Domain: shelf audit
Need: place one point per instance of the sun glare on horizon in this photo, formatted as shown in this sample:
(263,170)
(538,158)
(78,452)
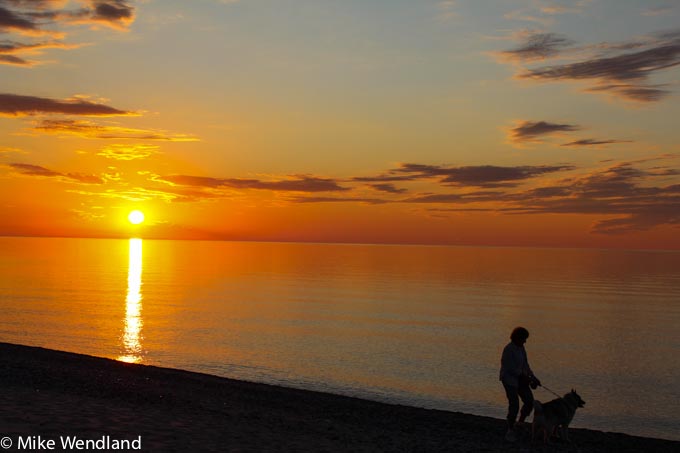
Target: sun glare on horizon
(136,217)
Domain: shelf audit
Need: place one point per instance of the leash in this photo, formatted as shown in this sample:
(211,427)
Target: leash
(544,387)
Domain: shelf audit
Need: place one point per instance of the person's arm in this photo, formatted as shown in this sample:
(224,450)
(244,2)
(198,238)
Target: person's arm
(530,372)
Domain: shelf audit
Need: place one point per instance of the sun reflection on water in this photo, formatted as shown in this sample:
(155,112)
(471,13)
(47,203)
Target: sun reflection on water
(133,304)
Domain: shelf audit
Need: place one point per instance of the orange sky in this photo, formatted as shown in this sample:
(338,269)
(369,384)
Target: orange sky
(531,123)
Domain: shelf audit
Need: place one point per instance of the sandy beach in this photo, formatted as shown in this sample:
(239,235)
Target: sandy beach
(49,395)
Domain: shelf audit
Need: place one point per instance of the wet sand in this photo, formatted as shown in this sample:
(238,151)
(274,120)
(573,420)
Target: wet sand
(50,394)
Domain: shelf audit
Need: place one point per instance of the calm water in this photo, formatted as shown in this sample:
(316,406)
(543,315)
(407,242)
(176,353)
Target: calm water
(422,326)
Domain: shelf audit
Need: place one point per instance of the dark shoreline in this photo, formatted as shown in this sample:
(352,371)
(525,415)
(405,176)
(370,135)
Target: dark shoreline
(51,393)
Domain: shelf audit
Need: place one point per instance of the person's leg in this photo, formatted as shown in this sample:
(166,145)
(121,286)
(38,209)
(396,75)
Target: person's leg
(527,399)
(513,403)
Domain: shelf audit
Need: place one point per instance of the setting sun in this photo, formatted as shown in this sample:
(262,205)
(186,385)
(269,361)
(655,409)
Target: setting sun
(136,217)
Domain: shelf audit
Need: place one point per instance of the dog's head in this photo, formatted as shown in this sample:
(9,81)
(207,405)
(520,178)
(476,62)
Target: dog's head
(573,396)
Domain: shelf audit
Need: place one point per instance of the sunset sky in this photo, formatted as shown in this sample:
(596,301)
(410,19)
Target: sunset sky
(509,122)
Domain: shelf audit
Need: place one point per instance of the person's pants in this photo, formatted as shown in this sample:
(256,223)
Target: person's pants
(514,394)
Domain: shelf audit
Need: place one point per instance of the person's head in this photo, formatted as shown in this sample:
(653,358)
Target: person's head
(519,336)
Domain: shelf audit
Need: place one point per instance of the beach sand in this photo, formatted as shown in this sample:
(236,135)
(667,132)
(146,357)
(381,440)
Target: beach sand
(50,394)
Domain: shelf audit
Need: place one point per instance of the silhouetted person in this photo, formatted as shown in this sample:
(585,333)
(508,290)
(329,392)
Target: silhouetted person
(517,379)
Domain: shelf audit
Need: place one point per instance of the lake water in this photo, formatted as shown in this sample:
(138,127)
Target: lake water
(422,326)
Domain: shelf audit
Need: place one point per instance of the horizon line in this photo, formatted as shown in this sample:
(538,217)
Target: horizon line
(406,244)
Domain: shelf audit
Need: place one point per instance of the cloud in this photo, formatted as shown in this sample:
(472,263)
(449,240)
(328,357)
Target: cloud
(624,74)
(631,66)
(13,60)
(185,188)
(114,13)
(9,51)
(18,105)
(457,198)
(88,129)
(536,46)
(390,177)
(635,195)
(33,18)
(389,188)
(36,170)
(532,131)
(481,175)
(639,93)
(137,194)
(625,190)
(13,21)
(471,176)
(594,142)
(627,196)
(300,183)
(128,152)
(338,200)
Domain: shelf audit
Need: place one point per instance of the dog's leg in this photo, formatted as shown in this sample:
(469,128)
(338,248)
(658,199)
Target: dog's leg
(565,433)
(547,431)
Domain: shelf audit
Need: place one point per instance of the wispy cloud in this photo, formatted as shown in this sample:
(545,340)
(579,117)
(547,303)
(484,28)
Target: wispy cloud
(535,131)
(592,142)
(464,176)
(40,18)
(622,189)
(89,129)
(36,170)
(36,17)
(10,51)
(299,183)
(628,196)
(536,46)
(623,71)
(481,175)
(137,194)
(455,198)
(389,188)
(363,200)
(18,105)
(638,197)
(128,152)
(641,194)
(631,92)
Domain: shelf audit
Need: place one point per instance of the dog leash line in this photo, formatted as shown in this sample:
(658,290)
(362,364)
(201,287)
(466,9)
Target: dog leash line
(543,386)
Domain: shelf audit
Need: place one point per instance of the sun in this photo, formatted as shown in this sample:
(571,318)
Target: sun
(136,217)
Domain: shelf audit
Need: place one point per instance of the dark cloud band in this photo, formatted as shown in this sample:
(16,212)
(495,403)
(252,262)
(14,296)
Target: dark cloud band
(36,170)
(18,105)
